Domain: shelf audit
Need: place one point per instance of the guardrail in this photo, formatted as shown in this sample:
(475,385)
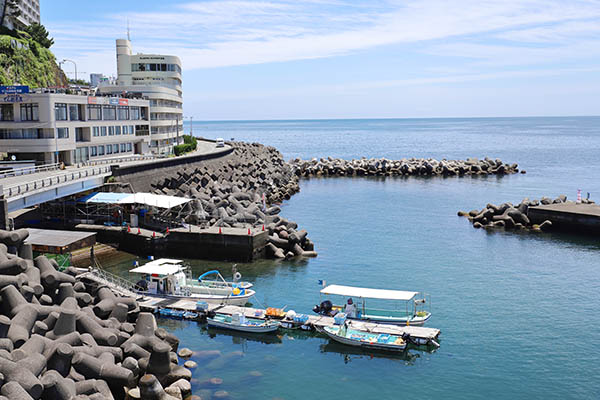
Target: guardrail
(29,170)
(119,160)
(23,188)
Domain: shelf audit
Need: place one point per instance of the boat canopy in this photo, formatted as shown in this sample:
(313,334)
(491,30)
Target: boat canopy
(351,291)
(163,266)
(149,199)
(213,272)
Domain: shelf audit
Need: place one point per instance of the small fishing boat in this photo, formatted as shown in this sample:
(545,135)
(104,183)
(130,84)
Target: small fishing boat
(171,313)
(241,323)
(170,278)
(410,309)
(352,337)
(220,282)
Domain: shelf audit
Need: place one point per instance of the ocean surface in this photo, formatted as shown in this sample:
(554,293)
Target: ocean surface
(519,313)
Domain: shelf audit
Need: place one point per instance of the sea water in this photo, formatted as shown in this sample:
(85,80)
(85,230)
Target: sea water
(519,312)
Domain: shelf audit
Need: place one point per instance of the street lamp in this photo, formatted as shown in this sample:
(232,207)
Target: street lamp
(75,64)
(191,117)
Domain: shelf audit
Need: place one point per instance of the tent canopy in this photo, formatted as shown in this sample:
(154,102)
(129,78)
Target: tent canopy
(163,266)
(149,199)
(351,291)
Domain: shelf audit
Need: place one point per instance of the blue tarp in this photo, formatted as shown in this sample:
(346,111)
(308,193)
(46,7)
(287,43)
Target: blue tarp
(103,197)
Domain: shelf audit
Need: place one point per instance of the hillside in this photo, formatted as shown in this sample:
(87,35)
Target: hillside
(26,62)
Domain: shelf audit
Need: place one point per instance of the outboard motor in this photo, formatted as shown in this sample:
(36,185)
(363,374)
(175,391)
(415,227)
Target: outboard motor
(142,284)
(323,309)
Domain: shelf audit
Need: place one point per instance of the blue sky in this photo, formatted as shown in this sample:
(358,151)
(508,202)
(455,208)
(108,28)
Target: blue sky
(286,59)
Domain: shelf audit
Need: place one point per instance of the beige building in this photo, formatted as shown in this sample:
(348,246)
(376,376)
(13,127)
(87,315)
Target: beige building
(76,127)
(30,13)
(157,77)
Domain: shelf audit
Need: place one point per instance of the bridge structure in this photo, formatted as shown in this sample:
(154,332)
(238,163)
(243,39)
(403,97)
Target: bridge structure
(26,187)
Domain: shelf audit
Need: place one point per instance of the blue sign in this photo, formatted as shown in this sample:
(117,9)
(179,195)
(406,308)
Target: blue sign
(13,98)
(14,89)
(114,101)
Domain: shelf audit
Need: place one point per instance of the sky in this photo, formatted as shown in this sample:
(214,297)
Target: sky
(315,59)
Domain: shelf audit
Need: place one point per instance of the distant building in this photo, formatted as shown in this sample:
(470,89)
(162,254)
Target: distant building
(95,79)
(157,77)
(30,13)
(36,126)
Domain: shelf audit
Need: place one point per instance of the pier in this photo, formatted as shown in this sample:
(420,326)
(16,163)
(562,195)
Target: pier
(568,216)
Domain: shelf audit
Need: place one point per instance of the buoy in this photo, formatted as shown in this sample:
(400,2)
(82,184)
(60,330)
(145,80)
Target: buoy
(128,229)
(248,231)
(220,230)
(153,234)
(407,322)
(263,228)
(139,232)
(167,230)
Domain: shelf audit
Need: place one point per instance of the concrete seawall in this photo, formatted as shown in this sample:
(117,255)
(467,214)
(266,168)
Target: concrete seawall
(583,218)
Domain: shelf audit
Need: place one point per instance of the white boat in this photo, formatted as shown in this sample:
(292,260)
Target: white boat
(345,334)
(170,278)
(218,280)
(241,323)
(410,311)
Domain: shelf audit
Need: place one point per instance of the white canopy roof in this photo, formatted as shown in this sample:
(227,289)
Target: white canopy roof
(351,291)
(150,199)
(163,266)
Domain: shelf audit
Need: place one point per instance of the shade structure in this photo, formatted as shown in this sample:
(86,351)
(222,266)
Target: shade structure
(351,291)
(149,199)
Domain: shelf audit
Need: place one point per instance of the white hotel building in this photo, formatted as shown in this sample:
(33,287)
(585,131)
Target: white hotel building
(76,127)
(158,78)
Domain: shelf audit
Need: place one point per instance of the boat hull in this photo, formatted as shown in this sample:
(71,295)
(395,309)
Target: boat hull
(210,299)
(392,321)
(364,345)
(242,328)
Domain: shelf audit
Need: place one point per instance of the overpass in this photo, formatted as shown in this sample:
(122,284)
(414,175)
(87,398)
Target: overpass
(30,186)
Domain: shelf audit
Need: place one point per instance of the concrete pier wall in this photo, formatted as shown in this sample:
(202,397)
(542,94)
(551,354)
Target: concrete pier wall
(583,218)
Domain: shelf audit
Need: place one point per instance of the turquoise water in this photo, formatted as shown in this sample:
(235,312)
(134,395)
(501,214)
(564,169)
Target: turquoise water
(519,313)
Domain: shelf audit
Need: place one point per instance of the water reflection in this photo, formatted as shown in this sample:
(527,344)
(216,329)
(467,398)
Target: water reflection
(240,338)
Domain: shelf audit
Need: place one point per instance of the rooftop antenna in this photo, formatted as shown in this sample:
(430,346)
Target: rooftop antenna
(128,35)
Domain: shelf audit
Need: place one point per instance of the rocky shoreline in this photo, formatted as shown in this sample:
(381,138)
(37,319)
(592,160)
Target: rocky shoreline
(404,167)
(229,193)
(64,338)
(510,217)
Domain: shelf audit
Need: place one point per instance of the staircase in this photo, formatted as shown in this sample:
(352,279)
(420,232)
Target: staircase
(119,285)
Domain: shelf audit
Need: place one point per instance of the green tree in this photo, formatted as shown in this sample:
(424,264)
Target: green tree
(40,34)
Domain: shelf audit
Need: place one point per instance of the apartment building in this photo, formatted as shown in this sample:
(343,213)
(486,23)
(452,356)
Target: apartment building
(157,77)
(30,13)
(48,127)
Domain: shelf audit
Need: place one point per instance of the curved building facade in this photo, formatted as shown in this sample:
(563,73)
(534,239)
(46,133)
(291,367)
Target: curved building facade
(158,78)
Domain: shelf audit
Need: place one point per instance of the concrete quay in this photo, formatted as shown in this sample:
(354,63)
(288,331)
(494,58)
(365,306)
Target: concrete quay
(569,216)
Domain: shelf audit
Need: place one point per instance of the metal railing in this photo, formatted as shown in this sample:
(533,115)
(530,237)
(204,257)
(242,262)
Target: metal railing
(29,170)
(23,188)
(121,285)
(117,160)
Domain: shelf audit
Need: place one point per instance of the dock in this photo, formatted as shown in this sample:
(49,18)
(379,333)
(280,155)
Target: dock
(568,216)
(315,322)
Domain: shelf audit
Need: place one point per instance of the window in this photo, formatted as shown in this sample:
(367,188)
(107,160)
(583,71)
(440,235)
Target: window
(60,111)
(63,133)
(93,151)
(79,135)
(129,147)
(108,149)
(109,112)
(135,113)
(30,112)
(73,112)
(102,131)
(131,131)
(123,112)
(96,131)
(118,130)
(111,131)
(123,147)
(101,150)
(94,112)
(115,148)
(7,112)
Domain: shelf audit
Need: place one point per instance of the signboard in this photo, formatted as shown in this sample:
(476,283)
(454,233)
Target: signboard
(14,89)
(114,101)
(13,98)
(92,100)
(123,102)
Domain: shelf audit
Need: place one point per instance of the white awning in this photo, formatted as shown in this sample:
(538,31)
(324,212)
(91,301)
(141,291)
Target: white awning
(351,291)
(163,266)
(150,199)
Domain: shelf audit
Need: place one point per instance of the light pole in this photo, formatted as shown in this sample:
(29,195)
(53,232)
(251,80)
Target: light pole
(74,63)
(191,117)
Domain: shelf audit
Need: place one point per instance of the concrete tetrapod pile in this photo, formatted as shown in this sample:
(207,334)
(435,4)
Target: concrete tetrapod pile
(229,193)
(404,167)
(509,216)
(63,339)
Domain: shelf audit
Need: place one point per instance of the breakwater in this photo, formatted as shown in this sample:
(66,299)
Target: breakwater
(404,167)
(64,338)
(509,216)
(242,190)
